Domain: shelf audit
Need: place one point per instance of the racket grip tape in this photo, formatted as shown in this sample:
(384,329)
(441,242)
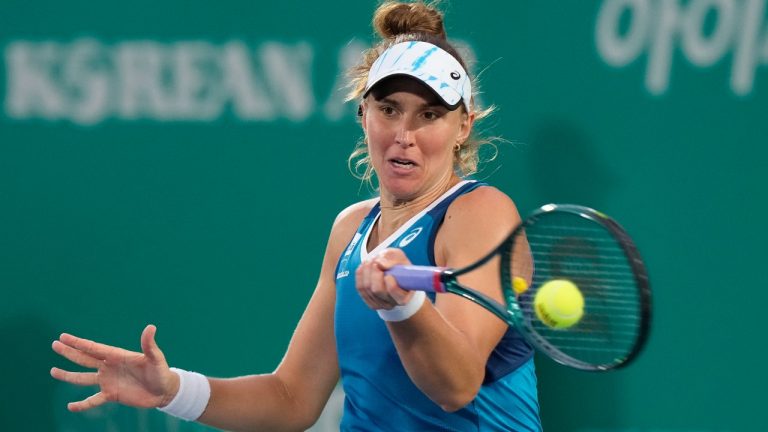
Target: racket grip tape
(418,278)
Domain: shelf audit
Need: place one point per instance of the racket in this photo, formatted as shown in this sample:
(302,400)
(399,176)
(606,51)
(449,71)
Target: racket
(571,243)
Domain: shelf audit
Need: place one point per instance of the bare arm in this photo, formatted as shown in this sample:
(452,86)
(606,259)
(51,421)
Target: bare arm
(444,347)
(290,398)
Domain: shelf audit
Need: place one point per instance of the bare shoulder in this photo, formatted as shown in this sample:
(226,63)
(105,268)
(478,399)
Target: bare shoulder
(354,214)
(347,222)
(484,204)
(474,223)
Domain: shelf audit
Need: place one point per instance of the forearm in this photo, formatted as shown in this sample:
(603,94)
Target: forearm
(439,359)
(256,403)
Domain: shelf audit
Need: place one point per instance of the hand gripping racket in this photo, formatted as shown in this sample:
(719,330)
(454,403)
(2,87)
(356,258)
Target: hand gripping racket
(570,243)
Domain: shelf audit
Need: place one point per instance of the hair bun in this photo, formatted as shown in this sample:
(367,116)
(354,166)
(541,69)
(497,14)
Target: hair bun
(394,18)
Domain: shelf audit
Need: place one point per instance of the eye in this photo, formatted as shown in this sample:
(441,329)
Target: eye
(432,115)
(387,110)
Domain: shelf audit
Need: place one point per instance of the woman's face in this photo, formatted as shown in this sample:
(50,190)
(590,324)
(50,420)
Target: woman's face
(411,138)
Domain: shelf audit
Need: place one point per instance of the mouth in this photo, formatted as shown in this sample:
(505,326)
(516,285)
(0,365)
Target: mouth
(402,163)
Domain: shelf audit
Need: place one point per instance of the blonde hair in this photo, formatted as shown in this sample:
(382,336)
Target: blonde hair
(395,22)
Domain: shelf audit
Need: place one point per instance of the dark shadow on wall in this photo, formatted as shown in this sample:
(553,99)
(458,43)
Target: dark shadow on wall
(568,168)
(27,396)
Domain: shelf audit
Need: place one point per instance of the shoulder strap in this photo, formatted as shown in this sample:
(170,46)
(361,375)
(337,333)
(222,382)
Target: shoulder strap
(438,213)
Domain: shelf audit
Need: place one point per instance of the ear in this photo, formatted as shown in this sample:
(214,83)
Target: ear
(465,127)
(362,112)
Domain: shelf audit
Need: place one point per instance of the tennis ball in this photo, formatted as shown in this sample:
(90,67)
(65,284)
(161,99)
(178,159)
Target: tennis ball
(559,304)
(519,285)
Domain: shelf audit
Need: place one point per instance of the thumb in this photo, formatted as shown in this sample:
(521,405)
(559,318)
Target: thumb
(391,257)
(148,345)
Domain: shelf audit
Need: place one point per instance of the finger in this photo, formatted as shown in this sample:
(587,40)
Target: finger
(400,295)
(384,304)
(75,356)
(379,290)
(94,349)
(359,276)
(362,285)
(391,257)
(376,303)
(88,403)
(376,282)
(362,278)
(366,279)
(370,300)
(78,378)
(149,345)
(373,287)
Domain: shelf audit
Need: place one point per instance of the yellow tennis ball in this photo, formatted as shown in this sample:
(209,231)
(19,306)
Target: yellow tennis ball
(559,304)
(519,285)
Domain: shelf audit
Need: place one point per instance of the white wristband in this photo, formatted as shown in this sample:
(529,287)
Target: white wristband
(192,398)
(403,312)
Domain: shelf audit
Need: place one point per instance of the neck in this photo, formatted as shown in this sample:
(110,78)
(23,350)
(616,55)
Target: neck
(395,212)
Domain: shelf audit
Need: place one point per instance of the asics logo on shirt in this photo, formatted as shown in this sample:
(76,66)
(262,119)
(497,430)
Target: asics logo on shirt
(409,238)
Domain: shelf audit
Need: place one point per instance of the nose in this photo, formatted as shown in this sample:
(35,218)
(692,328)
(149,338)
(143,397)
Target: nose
(405,135)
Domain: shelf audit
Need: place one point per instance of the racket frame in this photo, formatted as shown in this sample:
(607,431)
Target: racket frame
(512,314)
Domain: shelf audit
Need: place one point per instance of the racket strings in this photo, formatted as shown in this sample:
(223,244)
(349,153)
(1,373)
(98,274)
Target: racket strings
(568,246)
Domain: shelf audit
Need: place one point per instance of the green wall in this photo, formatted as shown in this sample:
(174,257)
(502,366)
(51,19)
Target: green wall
(180,163)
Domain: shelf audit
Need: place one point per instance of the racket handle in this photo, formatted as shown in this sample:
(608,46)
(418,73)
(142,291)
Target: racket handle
(418,278)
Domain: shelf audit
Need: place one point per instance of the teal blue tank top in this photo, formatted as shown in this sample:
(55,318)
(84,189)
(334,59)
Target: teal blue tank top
(379,394)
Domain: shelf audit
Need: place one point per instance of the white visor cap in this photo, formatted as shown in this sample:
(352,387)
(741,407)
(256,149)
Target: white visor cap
(428,63)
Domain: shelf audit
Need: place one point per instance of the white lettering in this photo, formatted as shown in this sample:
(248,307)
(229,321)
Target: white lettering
(140,74)
(196,96)
(745,57)
(336,107)
(620,50)
(31,89)
(700,50)
(289,71)
(243,86)
(658,26)
(660,57)
(87,82)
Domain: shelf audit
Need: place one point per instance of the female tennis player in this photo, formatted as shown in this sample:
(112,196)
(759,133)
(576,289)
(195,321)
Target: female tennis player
(407,360)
